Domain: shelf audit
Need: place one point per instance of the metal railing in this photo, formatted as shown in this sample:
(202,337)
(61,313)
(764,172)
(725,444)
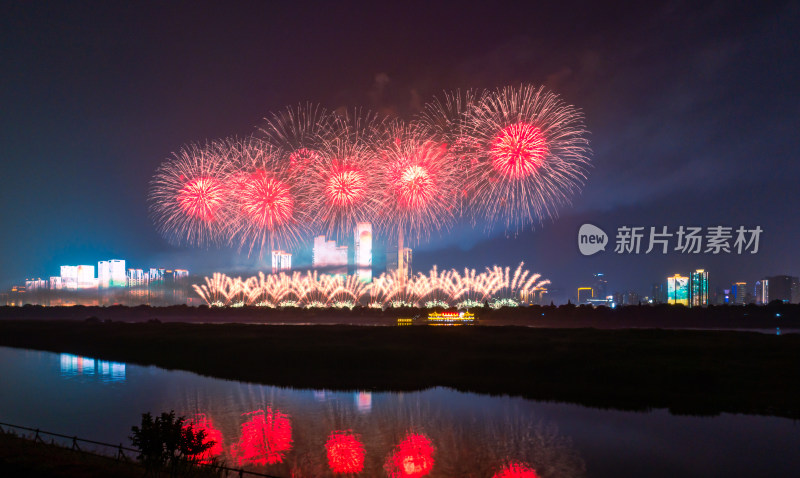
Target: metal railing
(119,450)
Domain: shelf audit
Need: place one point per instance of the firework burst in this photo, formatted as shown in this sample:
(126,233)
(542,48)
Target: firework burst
(267,208)
(188,195)
(296,134)
(419,183)
(342,186)
(528,156)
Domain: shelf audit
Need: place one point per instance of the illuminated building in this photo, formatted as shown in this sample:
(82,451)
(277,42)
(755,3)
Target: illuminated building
(393,257)
(678,290)
(180,274)
(363,251)
(56,283)
(762,292)
(111,273)
(600,286)
(739,293)
(69,277)
(32,285)
(327,255)
(780,288)
(584,294)
(86,279)
(795,290)
(137,277)
(363,401)
(659,293)
(281,261)
(698,288)
(156,275)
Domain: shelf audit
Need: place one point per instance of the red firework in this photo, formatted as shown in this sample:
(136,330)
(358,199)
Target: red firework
(516,470)
(301,160)
(266,201)
(202,198)
(412,457)
(518,150)
(188,195)
(347,185)
(201,423)
(266,438)
(345,452)
(418,183)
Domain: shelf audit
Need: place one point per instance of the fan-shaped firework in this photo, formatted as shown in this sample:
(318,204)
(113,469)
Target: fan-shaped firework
(530,155)
(266,208)
(499,286)
(188,195)
(342,186)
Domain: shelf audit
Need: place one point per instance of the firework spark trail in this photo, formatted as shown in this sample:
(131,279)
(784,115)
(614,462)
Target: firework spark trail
(443,288)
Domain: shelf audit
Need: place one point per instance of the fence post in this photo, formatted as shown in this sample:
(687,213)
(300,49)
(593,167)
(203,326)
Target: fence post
(241,472)
(120,454)
(75,443)
(37,437)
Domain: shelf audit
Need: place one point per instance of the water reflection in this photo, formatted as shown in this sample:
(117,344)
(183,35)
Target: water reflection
(316,434)
(103,371)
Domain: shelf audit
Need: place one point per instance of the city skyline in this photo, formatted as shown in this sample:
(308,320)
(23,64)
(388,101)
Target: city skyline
(664,155)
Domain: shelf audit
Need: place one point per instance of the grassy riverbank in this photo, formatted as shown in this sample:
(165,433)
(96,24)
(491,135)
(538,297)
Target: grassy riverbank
(696,372)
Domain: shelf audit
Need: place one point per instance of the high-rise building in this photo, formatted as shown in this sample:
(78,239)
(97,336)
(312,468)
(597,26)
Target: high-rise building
(585,294)
(762,292)
(56,283)
(156,275)
(363,251)
(795,290)
(117,276)
(739,293)
(32,285)
(86,279)
(780,288)
(69,277)
(698,288)
(393,257)
(678,290)
(137,277)
(600,286)
(103,274)
(659,293)
(327,255)
(281,261)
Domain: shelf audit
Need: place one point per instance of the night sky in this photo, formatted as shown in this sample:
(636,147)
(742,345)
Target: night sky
(693,108)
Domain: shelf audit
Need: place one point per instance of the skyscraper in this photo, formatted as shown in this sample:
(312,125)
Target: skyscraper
(329,256)
(678,290)
(281,261)
(762,292)
(392,260)
(795,290)
(698,288)
(363,251)
(739,293)
(600,286)
(584,294)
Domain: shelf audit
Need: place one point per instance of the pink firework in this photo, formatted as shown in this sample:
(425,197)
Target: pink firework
(266,208)
(528,155)
(188,195)
(296,134)
(518,150)
(418,183)
(202,198)
(343,187)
